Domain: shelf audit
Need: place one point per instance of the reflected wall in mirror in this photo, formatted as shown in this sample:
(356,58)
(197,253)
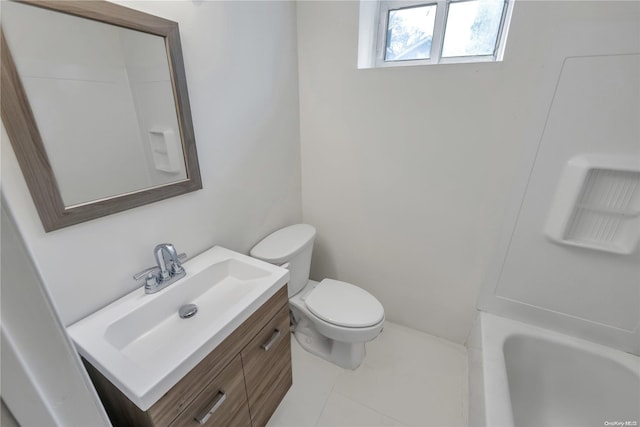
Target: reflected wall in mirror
(96,106)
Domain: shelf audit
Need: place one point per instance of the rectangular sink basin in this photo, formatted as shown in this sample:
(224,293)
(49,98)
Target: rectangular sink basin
(144,348)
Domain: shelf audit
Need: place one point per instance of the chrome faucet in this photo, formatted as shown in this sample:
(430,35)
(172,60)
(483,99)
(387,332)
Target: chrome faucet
(167,260)
(168,270)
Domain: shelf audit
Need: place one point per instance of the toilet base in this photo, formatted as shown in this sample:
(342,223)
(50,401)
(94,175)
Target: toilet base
(344,354)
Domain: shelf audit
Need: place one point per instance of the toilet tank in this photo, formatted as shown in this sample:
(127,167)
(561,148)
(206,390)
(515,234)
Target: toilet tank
(292,245)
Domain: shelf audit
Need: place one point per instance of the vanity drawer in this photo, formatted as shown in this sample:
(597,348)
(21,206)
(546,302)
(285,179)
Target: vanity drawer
(222,403)
(267,367)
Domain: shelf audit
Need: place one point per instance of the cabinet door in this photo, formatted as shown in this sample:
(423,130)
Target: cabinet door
(222,403)
(267,367)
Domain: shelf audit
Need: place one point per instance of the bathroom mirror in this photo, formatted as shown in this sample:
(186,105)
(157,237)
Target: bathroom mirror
(95,103)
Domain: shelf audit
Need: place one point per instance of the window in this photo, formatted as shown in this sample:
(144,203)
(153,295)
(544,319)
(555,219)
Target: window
(395,32)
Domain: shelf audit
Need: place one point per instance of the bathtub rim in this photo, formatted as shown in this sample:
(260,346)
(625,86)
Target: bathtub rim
(486,352)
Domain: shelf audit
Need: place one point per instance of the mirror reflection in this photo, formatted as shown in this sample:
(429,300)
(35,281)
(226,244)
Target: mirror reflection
(103,102)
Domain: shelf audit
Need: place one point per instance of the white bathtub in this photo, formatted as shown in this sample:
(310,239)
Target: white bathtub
(524,376)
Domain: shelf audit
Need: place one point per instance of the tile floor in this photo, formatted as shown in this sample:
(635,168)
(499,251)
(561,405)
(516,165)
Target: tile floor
(408,379)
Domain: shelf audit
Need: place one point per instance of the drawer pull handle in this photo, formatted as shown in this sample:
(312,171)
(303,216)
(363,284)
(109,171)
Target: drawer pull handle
(217,402)
(267,346)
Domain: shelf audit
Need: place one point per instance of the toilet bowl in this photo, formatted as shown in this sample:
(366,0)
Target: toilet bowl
(331,319)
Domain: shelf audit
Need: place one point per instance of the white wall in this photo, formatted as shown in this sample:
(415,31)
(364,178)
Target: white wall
(407,172)
(240,60)
(34,342)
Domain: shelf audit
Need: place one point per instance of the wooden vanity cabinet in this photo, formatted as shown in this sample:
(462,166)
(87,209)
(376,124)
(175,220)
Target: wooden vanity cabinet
(227,394)
(243,379)
(267,367)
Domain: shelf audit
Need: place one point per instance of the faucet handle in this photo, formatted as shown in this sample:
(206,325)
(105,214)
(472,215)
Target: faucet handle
(176,267)
(144,273)
(151,280)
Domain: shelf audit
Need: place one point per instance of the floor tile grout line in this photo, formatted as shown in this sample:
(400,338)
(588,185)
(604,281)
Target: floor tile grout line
(426,336)
(324,405)
(465,393)
(370,408)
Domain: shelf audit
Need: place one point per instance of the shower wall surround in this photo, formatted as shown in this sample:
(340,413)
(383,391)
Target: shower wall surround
(584,280)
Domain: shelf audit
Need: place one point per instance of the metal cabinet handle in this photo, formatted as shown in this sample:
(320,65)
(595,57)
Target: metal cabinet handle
(267,346)
(217,402)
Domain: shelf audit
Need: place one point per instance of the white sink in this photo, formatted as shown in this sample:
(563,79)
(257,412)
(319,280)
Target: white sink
(141,344)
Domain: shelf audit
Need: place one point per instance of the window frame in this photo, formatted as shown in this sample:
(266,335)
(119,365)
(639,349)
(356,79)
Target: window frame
(437,39)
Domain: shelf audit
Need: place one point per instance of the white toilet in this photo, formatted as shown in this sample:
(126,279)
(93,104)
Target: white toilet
(331,319)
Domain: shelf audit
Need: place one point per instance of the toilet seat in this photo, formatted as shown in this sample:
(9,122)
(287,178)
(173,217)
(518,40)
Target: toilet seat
(344,304)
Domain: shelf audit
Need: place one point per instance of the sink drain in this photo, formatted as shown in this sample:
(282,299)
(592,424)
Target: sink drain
(188,310)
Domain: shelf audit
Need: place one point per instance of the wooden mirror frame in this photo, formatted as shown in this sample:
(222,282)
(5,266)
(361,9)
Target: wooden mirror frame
(27,143)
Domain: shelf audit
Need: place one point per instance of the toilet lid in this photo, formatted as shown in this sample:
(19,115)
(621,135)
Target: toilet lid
(344,304)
